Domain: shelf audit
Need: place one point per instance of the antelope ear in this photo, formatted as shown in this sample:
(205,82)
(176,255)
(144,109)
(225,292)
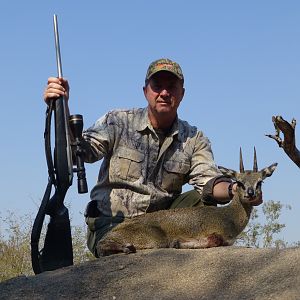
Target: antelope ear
(228,172)
(268,171)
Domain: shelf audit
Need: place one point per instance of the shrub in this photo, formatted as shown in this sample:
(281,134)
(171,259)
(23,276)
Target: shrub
(15,251)
(261,235)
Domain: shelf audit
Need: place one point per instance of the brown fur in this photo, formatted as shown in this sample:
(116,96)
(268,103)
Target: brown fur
(190,228)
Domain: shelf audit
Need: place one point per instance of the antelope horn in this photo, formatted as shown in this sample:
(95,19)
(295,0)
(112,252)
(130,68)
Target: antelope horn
(255,168)
(242,170)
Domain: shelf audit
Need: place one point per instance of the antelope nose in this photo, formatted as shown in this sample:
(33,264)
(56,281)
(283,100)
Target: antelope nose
(250,192)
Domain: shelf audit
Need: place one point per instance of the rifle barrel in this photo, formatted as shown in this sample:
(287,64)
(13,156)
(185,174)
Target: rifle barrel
(57,47)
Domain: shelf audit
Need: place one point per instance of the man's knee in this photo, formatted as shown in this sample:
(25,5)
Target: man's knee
(98,225)
(93,221)
(187,199)
(94,236)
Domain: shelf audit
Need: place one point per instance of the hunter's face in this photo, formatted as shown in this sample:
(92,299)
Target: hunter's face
(164,93)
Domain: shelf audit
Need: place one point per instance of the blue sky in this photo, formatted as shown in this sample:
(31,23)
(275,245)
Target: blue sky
(241,61)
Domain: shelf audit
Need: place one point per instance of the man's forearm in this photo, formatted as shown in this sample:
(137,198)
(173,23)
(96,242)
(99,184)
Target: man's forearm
(220,192)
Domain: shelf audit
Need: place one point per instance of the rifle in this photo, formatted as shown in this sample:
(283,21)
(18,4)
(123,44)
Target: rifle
(57,251)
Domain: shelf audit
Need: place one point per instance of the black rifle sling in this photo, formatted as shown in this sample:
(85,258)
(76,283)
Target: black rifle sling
(39,220)
(57,251)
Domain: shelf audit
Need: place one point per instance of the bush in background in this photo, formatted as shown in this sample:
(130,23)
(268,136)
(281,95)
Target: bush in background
(264,235)
(15,251)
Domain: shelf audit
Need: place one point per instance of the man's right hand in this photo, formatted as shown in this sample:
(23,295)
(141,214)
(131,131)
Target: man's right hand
(56,87)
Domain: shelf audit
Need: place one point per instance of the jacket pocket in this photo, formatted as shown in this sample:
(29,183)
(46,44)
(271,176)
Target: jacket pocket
(174,175)
(129,163)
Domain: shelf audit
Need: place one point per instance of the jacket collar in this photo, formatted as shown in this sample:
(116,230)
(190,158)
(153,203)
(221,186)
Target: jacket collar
(144,124)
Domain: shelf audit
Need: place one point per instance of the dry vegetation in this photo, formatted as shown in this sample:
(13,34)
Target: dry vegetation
(15,259)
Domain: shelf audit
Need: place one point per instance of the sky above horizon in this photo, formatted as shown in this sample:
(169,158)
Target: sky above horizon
(241,62)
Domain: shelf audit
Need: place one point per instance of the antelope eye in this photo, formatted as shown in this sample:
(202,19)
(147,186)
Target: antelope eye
(240,184)
(259,183)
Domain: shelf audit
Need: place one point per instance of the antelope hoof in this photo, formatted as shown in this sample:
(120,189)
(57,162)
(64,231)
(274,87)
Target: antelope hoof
(175,244)
(215,240)
(129,248)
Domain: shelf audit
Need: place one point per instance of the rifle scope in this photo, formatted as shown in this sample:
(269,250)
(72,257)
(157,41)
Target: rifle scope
(76,126)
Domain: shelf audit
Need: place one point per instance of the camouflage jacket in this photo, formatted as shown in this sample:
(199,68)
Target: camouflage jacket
(137,173)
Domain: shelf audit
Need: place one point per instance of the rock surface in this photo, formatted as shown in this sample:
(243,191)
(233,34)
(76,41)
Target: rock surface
(215,273)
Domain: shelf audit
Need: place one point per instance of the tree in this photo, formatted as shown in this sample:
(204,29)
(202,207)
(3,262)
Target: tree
(289,141)
(264,235)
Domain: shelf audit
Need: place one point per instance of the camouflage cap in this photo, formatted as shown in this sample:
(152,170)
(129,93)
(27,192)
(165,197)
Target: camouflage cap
(164,64)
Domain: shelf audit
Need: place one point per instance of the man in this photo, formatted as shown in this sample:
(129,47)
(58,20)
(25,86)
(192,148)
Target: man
(148,155)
